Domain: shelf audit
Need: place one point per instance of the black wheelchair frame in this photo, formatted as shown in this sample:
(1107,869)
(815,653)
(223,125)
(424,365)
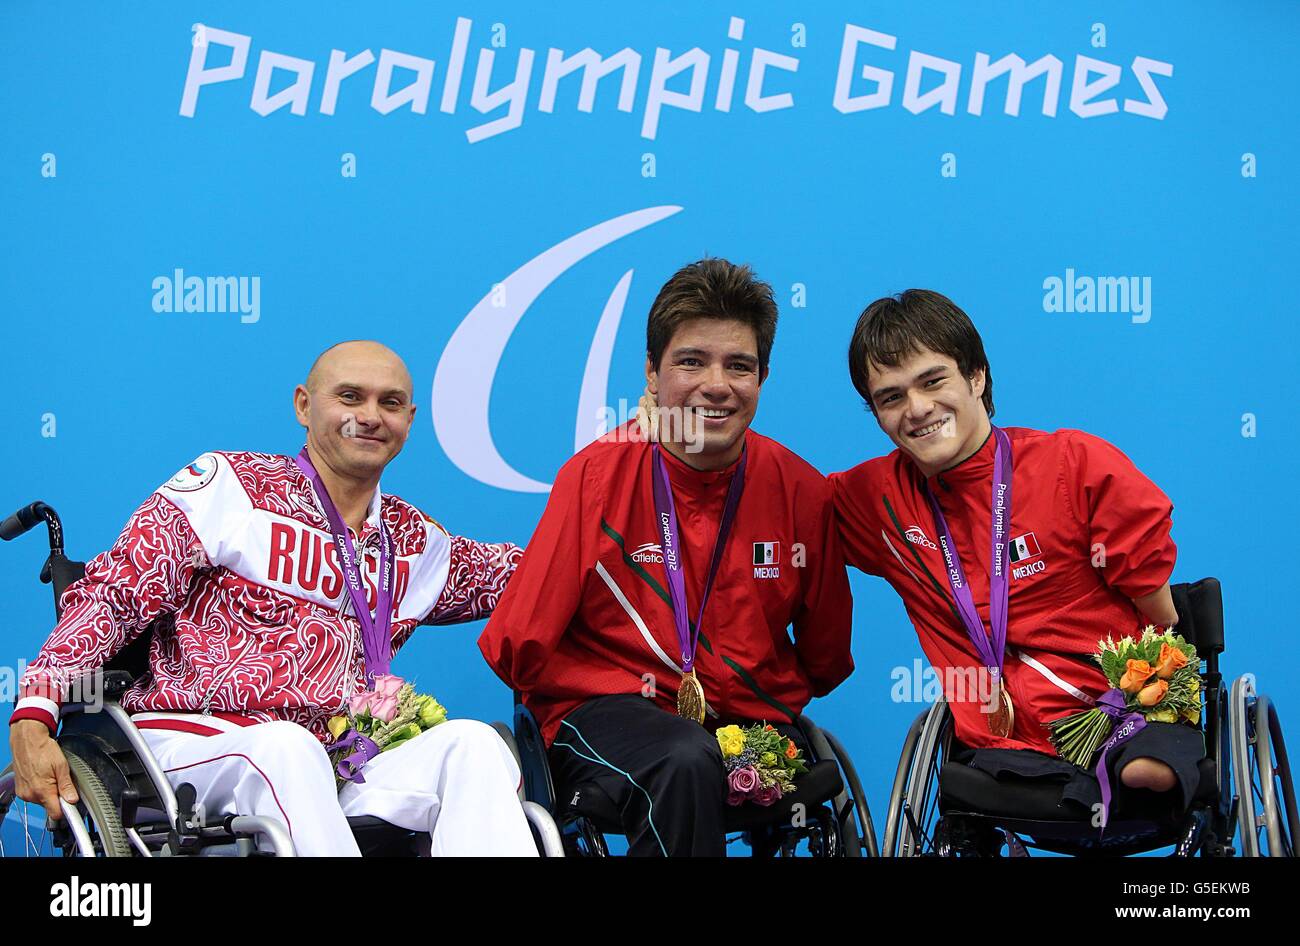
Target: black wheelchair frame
(931,810)
(836,821)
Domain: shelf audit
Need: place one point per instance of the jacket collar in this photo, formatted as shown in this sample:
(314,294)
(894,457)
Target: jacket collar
(975,469)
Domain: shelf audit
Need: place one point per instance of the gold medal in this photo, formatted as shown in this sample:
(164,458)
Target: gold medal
(1003,719)
(690,698)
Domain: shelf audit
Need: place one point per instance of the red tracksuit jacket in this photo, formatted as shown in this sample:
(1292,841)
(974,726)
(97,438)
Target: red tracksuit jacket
(587,613)
(1076,500)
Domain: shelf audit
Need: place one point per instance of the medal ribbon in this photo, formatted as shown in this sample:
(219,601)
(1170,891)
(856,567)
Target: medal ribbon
(376,630)
(991,652)
(666,512)
(1127,725)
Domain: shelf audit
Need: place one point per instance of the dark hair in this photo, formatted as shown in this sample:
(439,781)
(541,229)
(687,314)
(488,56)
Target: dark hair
(897,326)
(712,288)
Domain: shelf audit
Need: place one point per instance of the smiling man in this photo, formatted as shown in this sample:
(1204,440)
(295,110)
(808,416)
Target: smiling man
(1086,554)
(653,601)
(292,582)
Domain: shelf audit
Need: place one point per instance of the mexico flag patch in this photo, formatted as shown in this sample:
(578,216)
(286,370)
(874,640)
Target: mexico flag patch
(767,553)
(1024,548)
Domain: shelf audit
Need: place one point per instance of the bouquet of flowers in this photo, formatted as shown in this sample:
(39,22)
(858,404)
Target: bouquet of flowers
(761,763)
(378,720)
(1158,676)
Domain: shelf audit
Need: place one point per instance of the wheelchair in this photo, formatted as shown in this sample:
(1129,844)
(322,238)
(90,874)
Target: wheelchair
(829,809)
(126,805)
(939,807)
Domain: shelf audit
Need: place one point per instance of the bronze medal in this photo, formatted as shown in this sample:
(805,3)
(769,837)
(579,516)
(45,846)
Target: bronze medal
(1003,719)
(690,698)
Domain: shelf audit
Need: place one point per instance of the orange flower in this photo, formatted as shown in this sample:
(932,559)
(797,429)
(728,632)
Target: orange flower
(1136,676)
(1171,660)
(790,750)
(768,727)
(1153,694)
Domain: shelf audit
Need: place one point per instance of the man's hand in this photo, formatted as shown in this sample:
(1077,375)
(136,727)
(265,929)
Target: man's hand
(40,771)
(647,415)
(1158,607)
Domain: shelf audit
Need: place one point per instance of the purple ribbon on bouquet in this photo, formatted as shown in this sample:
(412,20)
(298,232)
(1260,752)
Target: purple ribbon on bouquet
(1127,725)
(362,750)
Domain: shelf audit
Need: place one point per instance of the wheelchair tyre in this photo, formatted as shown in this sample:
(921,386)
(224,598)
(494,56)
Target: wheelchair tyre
(913,817)
(1266,802)
(103,835)
(96,804)
(859,838)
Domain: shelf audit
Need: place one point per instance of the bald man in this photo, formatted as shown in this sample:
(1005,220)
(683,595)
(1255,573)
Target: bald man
(284,578)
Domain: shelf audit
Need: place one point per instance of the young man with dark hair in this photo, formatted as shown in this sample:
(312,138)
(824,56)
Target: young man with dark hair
(604,628)
(1083,552)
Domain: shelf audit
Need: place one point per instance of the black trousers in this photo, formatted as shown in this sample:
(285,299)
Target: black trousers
(663,773)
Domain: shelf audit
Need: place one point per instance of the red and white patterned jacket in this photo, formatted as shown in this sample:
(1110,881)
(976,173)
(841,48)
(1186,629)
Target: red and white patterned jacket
(237,547)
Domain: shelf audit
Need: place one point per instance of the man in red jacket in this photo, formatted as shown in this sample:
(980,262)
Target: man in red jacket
(604,626)
(1088,550)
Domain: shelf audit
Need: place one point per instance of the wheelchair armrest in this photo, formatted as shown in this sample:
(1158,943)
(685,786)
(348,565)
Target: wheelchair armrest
(97,686)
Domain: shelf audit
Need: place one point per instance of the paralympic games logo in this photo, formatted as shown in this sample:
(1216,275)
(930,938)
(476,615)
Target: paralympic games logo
(462,383)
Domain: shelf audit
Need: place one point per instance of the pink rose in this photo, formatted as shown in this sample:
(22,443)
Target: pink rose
(384,708)
(359,703)
(768,795)
(743,781)
(388,685)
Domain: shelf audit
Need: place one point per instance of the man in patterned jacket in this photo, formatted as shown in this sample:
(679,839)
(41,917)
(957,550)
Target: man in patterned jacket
(267,644)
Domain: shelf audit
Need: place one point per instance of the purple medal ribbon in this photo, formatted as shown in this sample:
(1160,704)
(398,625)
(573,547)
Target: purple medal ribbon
(1127,725)
(362,751)
(991,652)
(376,630)
(666,512)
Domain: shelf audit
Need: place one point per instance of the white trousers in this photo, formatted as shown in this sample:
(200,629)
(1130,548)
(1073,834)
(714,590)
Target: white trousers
(457,781)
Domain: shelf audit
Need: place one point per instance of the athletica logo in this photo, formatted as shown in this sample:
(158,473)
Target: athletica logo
(462,384)
(650,552)
(916,535)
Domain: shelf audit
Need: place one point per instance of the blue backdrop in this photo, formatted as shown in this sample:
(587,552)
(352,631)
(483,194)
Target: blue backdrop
(1166,157)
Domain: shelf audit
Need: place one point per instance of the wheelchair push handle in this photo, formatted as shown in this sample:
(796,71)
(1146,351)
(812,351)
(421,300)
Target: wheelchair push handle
(24,519)
(31,516)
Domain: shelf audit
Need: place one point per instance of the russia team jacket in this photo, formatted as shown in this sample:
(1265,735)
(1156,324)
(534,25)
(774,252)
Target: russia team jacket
(237,547)
(588,612)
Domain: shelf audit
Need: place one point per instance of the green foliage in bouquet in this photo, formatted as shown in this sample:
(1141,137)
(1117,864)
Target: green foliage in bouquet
(1159,675)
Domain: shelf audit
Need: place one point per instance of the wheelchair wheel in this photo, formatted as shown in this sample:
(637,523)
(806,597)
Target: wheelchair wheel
(859,838)
(914,801)
(90,829)
(1266,805)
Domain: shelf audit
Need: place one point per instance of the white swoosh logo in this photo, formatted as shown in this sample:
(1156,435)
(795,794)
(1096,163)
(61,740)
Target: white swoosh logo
(462,383)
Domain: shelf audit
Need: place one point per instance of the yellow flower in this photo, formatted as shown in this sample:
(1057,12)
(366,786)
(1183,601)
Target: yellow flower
(337,726)
(1165,715)
(731,740)
(1194,685)
(1192,714)
(768,758)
